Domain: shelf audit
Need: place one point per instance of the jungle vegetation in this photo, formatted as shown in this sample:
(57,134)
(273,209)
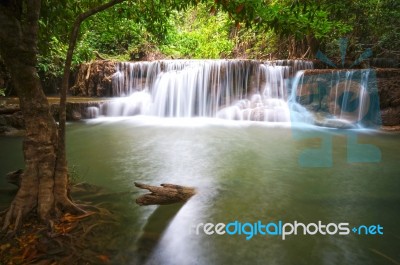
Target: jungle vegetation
(252,29)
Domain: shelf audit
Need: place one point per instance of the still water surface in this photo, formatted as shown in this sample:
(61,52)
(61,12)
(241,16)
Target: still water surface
(243,171)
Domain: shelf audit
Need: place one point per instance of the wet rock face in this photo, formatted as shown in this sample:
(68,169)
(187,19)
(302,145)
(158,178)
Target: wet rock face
(94,79)
(391,116)
(320,95)
(389,96)
(11,120)
(384,62)
(335,123)
(77,110)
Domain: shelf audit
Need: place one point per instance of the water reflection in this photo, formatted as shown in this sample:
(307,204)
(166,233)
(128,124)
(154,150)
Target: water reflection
(245,172)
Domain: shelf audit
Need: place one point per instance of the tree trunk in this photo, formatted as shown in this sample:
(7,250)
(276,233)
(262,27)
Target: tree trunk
(39,189)
(61,182)
(44,181)
(313,44)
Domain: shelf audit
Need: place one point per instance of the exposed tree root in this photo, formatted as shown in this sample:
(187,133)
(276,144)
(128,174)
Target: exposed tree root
(13,217)
(67,206)
(15,214)
(69,239)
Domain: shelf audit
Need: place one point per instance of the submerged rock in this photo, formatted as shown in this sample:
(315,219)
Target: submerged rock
(335,123)
(325,119)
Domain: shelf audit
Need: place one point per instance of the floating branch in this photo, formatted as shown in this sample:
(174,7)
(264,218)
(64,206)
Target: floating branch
(166,194)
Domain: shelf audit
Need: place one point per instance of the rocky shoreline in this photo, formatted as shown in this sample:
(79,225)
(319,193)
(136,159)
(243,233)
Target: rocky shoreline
(12,122)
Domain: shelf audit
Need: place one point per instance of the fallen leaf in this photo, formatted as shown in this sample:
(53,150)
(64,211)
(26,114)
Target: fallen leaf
(5,246)
(104,258)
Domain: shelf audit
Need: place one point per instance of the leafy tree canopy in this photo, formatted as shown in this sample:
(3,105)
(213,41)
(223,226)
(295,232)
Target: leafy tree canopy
(218,28)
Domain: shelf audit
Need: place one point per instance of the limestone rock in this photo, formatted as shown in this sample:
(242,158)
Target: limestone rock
(94,79)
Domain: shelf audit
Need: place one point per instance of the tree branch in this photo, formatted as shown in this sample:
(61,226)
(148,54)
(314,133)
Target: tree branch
(67,68)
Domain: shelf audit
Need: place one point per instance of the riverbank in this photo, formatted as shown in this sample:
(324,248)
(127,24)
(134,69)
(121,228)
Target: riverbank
(83,239)
(12,122)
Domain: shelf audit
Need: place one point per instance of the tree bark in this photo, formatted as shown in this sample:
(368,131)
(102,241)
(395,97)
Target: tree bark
(18,37)
(313,44)
(44,181)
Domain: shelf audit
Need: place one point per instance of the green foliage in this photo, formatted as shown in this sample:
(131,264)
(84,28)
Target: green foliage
(197,34)
(216,29)
(54,28)
(2,92)
(301,18)
(52,61)
(112,32)
(377,26)
(388,17)
(371,24)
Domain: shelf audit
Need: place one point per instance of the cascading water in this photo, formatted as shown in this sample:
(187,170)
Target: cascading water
(92,112)
(267,103)
(273,91)
(341,99)
(230,89)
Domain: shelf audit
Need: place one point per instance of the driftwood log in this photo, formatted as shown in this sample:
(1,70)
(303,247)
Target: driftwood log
(166,194)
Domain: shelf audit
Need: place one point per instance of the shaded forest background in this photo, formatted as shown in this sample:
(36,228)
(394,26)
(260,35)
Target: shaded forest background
(249,29)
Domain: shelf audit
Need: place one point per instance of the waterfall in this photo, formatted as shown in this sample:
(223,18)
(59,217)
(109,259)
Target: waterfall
(272,91)
(340,98)
(294,65)
(230,89)
(92,112)
(131,77)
